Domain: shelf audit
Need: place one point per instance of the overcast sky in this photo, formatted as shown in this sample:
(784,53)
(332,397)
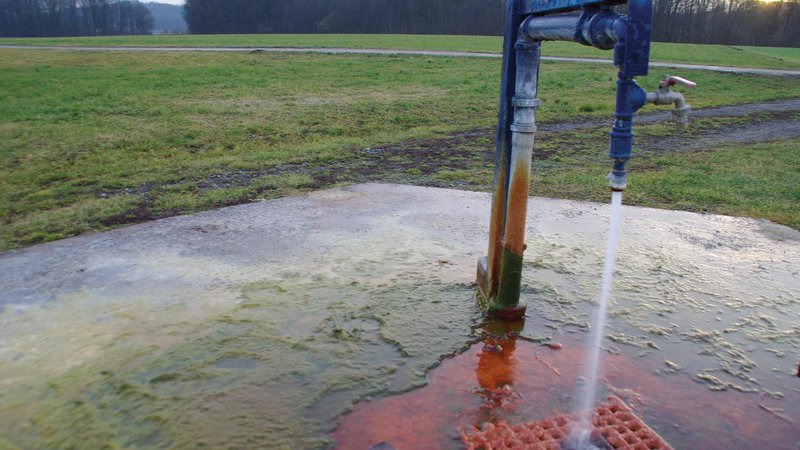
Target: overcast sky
(171,2)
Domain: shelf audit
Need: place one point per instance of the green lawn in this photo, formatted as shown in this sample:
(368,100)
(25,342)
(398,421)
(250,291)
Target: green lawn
(91,140)
(789,55)
(758,180)
(787,58)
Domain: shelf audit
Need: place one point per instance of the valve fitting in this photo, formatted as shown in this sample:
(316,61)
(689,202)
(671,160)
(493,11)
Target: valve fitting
(664,96)
(618,176)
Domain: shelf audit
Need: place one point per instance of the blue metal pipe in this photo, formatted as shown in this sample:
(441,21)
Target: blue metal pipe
(631,56)
(630,97)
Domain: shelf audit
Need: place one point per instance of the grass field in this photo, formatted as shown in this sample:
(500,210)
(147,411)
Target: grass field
(91,140)
(791,55)
(783,58)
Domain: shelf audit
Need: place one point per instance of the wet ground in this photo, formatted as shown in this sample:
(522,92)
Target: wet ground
(260,325)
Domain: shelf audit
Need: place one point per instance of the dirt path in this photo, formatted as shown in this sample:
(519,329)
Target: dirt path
(378,51)
(663,115)
(422,161)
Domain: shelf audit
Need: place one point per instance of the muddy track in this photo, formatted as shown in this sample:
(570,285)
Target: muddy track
(424,161)
(761,122)
(663,115)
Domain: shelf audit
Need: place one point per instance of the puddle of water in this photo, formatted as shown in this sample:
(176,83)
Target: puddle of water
(703,339)
(225,338)
(247,375)
(526,381)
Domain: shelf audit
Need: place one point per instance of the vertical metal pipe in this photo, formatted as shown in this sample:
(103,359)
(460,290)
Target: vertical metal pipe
(489,267)
(630,97)
(524,102)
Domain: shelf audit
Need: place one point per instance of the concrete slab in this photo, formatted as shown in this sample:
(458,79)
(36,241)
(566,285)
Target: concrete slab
(258,325)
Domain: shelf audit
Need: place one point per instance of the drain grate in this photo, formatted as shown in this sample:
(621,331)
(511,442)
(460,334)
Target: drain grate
(614,427)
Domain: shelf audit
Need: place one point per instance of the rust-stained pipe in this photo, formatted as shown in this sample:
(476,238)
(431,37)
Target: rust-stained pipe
(489,267)
(506,301)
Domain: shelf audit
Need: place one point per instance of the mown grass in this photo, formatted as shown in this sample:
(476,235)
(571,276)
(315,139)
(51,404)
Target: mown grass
(758,180)
(90,140)
(791,55)
(784,58)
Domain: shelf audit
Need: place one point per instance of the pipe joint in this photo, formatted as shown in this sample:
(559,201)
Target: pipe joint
(601,28)
(522,102)
(528,128)
(618,176)
(525,44)
(630,97)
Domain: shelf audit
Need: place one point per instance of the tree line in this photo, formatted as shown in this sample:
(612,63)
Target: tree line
(34,18)
(345,16)
(742,22)
(732,22)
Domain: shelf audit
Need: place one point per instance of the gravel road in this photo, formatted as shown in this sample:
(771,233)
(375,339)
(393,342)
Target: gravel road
(379,51)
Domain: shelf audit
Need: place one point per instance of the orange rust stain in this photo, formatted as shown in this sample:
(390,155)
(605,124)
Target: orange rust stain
(514,238)
(496,226)
(496,363)
(687,414)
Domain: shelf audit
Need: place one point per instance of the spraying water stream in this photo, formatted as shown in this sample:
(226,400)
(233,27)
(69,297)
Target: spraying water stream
(587,397)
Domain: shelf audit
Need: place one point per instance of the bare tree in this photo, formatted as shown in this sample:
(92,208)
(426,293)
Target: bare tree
(73,17)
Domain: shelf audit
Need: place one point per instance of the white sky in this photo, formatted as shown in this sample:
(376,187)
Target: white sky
(171,2)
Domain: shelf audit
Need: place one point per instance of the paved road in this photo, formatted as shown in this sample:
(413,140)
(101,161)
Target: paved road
(379,51)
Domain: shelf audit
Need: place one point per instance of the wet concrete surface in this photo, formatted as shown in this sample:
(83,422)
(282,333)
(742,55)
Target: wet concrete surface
(259,325)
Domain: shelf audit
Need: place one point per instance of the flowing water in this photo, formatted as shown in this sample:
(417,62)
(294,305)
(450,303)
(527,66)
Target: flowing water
(587,395)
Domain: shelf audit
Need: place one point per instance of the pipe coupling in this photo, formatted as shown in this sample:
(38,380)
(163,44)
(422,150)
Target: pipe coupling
(600,29)
(523,128)
(522,102)
(618,176)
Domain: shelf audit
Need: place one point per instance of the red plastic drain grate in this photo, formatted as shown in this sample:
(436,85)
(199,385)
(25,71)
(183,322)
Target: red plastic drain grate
(614,424)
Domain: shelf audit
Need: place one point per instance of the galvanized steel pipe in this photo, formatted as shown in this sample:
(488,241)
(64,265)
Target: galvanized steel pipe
(558,27)
(593,27)
(523,128)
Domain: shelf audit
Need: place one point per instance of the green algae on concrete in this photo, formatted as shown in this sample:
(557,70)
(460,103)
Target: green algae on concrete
(191,348)
(259,373)
(274,371)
